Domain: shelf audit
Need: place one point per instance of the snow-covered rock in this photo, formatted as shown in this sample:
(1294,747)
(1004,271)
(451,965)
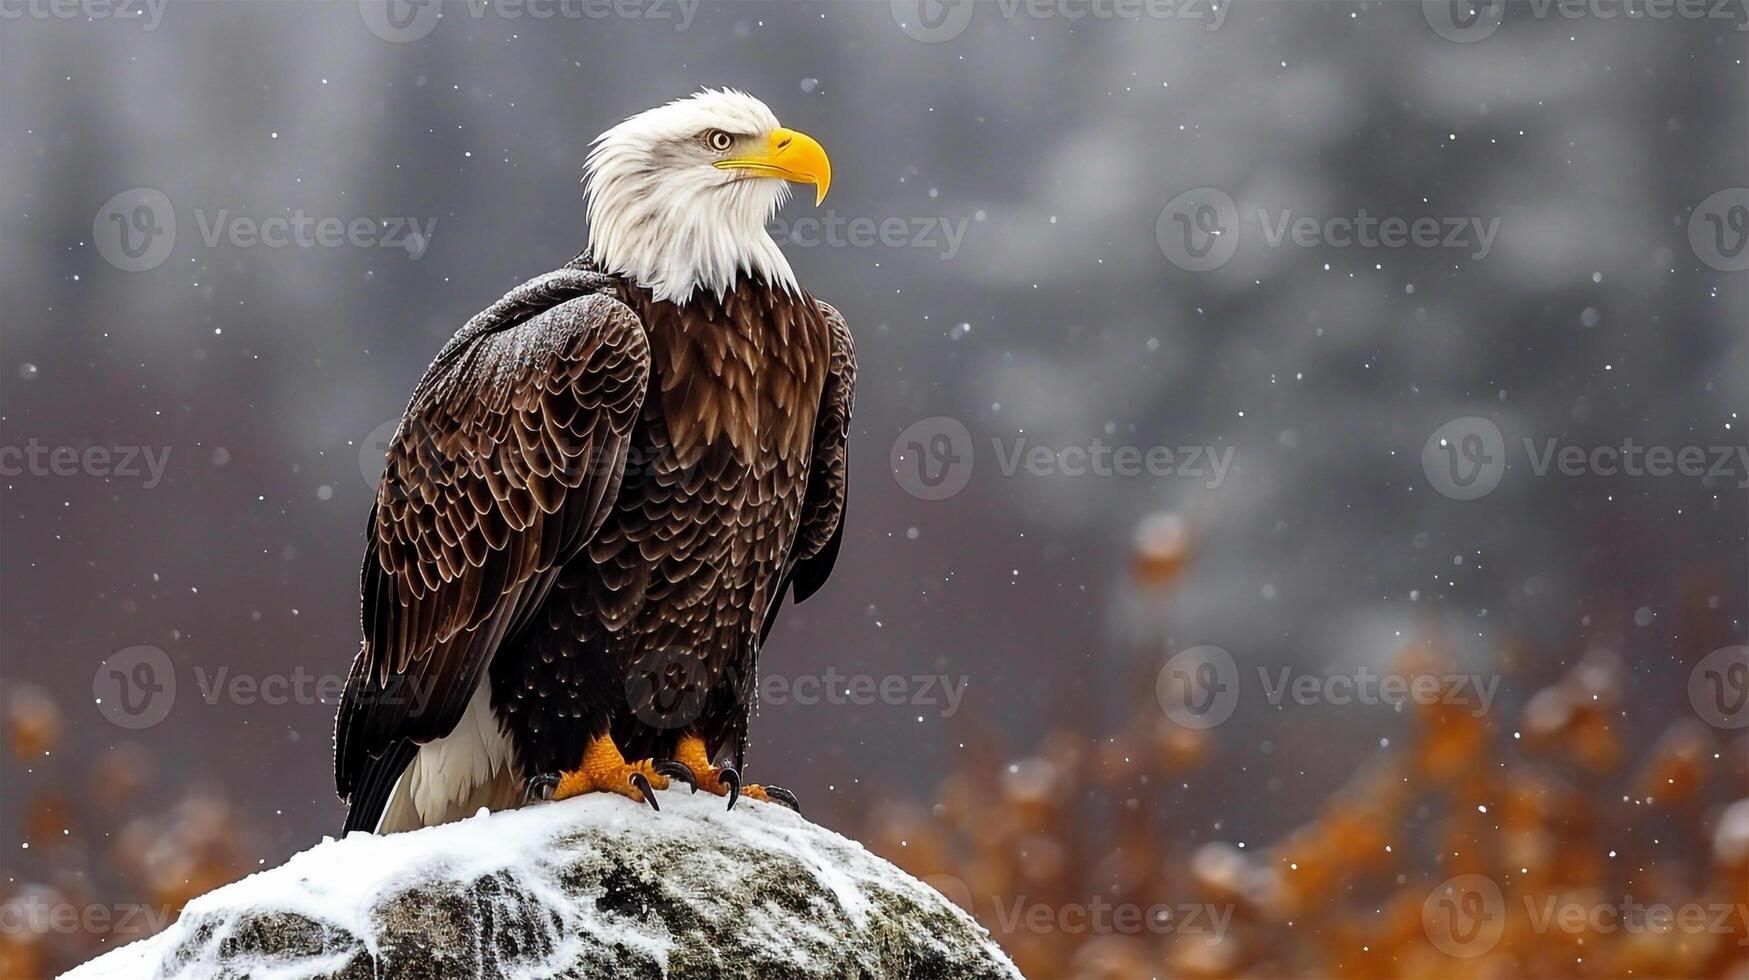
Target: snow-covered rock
(590,887)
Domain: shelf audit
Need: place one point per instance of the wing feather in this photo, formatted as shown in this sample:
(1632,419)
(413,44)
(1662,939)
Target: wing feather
(505,465)
(822,527)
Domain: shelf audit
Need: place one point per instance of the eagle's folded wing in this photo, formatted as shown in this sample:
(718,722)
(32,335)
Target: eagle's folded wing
(822,525)
(507,462)
(823,508)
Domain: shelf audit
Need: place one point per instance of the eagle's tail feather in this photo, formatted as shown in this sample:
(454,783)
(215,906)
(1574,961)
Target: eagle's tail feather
(381,775)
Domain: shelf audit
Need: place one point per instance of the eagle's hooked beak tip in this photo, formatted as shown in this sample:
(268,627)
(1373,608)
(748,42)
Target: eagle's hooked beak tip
(789,156)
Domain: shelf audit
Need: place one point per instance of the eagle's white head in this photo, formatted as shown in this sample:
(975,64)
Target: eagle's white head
(679,196)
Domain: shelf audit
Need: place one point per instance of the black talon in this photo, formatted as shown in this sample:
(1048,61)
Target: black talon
(732,779)
(675,769)
(643,785)
(783,797)
(540,787)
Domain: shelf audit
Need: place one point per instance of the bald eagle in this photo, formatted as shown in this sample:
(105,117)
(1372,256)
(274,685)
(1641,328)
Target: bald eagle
(601,490)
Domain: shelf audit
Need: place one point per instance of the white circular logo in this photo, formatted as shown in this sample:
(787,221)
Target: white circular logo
(951,887)
(668,687)
(1464,21)
(1465,458)
(136,687)
(932,458)
(1199,687)
(373,452)
(135,230)
(400,21)
(1199,229)
(1718,230)
(1718,687)
(1464,916)
(932,21)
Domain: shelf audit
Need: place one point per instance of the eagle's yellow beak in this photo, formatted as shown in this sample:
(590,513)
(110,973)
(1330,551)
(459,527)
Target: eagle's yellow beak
(791,156)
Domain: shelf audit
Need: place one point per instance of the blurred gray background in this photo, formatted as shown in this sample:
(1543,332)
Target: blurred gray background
(1051,145)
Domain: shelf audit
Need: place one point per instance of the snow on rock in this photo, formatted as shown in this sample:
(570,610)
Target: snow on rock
(590,887)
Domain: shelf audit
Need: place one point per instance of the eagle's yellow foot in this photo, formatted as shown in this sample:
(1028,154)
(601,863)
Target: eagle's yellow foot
(603,769)
(691,755)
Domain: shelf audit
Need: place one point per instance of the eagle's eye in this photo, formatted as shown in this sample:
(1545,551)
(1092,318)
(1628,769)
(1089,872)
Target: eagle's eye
(718,140)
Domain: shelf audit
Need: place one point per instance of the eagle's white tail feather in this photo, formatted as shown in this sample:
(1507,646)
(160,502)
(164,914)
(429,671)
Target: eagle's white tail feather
(454,776)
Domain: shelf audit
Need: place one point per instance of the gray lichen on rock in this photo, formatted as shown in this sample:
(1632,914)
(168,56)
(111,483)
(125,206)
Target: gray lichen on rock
(592,887)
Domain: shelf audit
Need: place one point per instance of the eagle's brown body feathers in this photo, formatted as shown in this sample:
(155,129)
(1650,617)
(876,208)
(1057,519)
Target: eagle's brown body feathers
(595,503)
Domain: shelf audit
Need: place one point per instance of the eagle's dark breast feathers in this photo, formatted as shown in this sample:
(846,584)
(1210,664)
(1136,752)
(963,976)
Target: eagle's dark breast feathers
(600,499)
(707,527)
